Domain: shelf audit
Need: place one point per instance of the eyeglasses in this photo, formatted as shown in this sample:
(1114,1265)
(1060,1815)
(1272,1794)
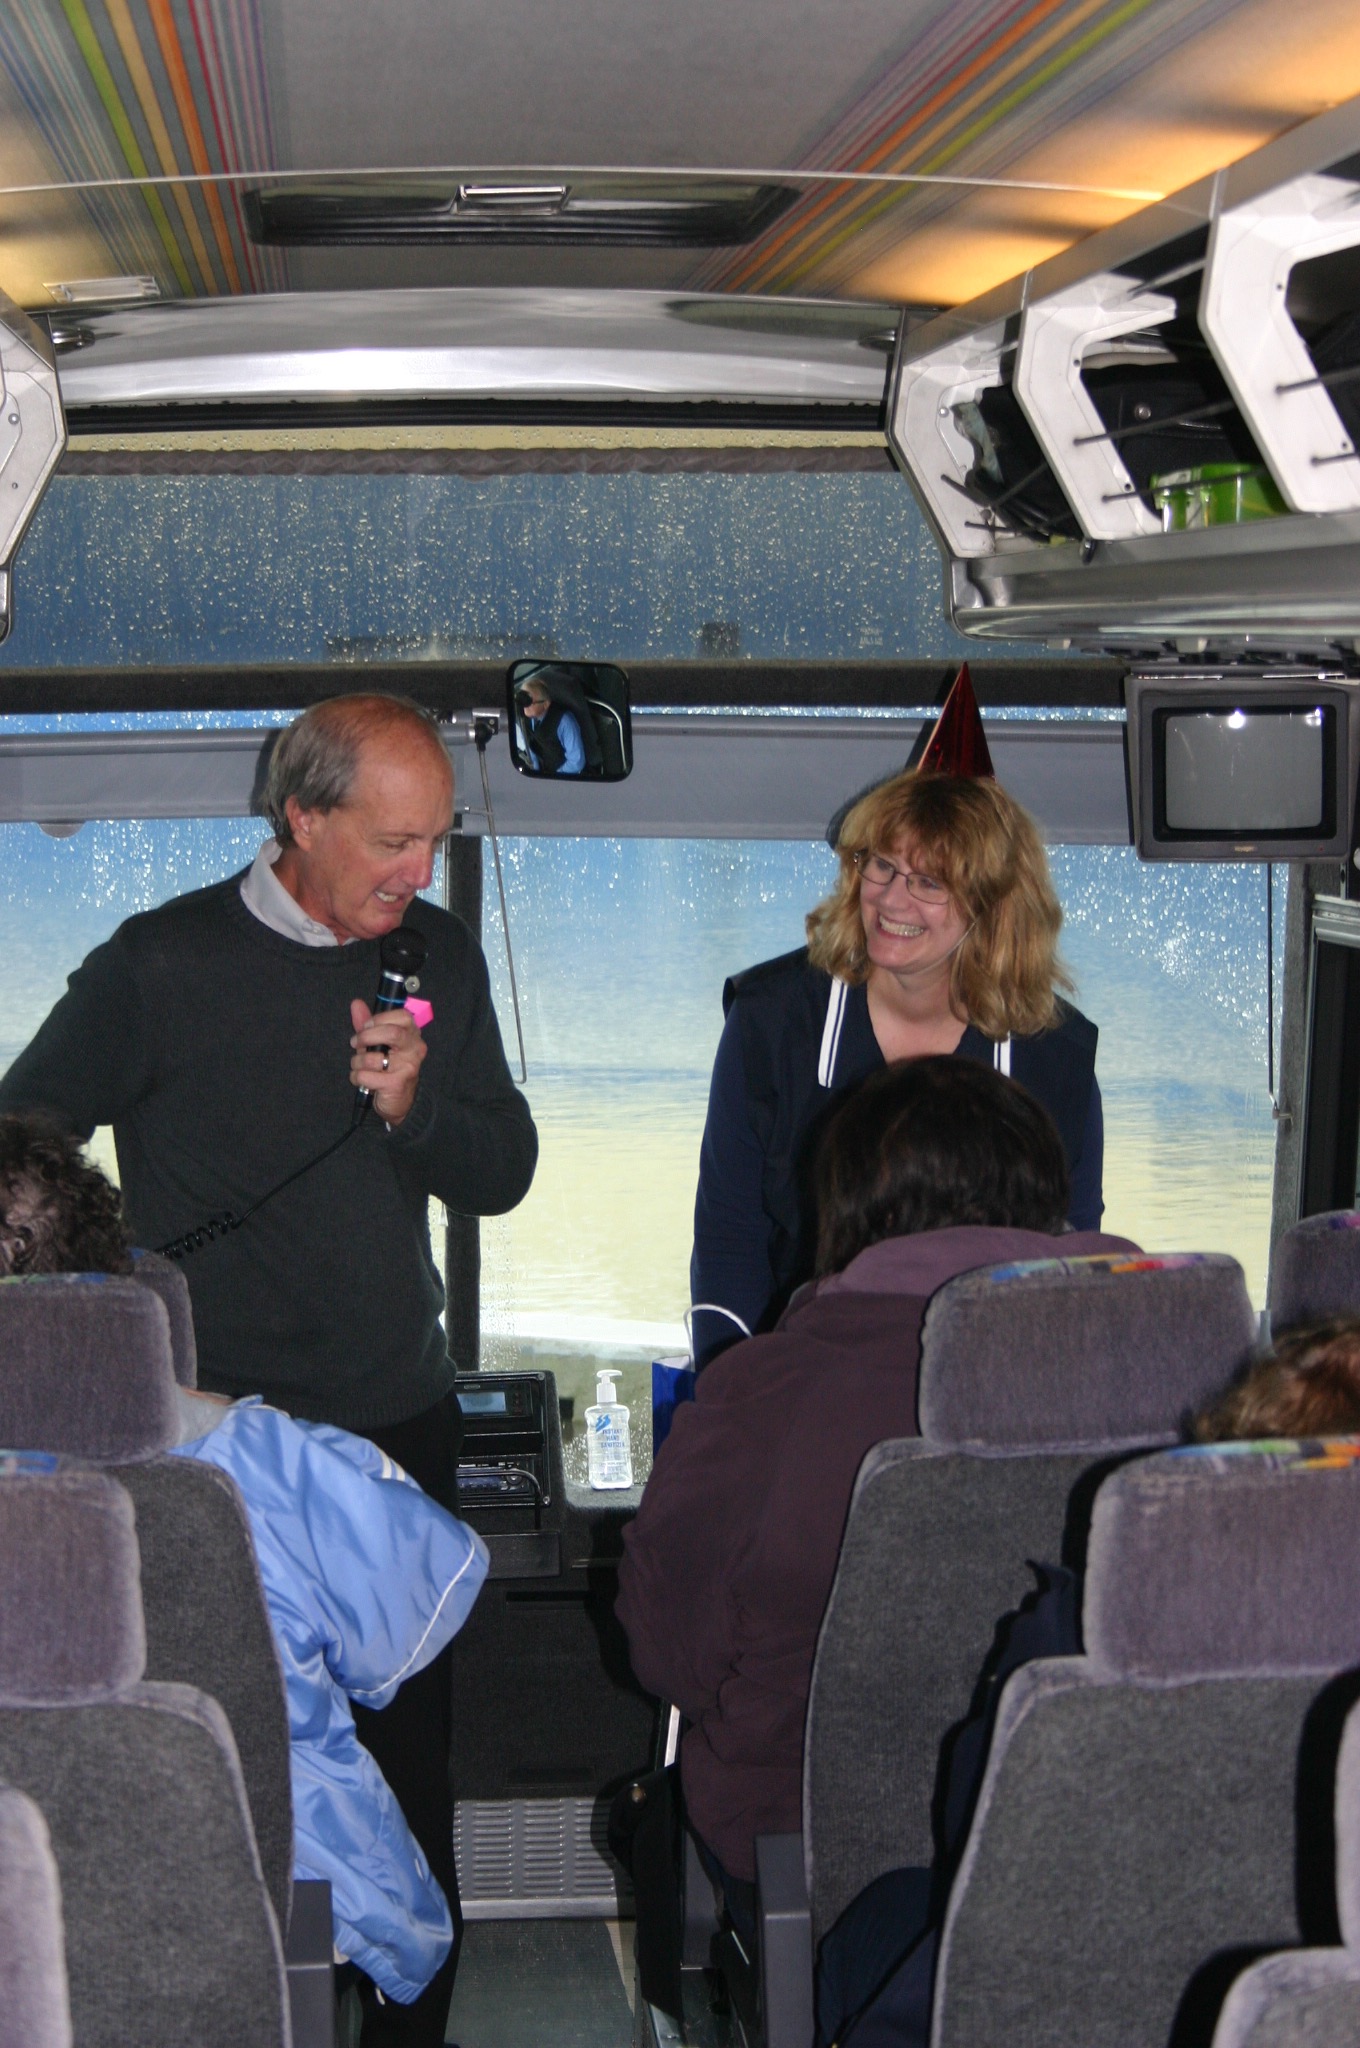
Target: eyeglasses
(877,873)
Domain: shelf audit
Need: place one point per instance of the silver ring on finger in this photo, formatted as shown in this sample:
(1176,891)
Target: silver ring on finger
(384,1062)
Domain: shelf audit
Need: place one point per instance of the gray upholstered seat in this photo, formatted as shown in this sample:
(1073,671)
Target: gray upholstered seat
(1156,1811)
(1315,1270)
(87,1372)
(167,1280)
(87,1368)
(1032,1378)
(171,1941)
(35,2006)
(1301,1998)
(207,1626)
(1310,1998)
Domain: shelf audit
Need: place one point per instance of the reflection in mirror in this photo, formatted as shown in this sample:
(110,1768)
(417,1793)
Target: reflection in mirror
(570,718)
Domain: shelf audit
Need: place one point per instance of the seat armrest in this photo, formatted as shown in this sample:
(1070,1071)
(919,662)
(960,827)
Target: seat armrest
(785,1924)
(309,1954)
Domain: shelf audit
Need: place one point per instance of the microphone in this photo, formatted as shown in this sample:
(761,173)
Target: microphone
(403,955)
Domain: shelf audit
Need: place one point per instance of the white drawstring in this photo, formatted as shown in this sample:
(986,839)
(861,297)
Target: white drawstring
(831,1032)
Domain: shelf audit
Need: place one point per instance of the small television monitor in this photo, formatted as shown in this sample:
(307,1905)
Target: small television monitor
(1230,768)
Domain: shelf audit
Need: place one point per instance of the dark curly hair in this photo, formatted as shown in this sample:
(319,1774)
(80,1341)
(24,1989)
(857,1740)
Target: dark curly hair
(930,1143)
(58,1212)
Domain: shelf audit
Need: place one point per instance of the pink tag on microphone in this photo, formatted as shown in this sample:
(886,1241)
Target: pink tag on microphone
(422,1011)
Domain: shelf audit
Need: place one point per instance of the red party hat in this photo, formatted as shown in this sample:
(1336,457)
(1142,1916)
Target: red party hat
(957,744)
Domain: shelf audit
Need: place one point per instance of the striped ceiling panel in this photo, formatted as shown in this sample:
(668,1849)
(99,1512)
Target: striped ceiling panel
(984,83)
(128,128)
(152,88)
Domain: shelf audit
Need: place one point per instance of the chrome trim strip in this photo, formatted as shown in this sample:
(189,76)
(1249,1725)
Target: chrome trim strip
(478,343)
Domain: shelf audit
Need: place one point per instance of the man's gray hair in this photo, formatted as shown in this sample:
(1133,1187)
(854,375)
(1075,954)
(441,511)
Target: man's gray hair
(317,757)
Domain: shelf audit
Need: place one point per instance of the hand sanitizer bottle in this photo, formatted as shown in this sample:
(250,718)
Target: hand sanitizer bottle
(609,1449)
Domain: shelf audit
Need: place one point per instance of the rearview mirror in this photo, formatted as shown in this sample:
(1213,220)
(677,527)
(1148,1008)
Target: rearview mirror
(569,718)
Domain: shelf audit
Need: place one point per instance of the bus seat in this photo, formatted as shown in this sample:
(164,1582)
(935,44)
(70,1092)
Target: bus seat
(1315,1270)
(1102,1350)
(87,1368)
(1032,1378)
(1310,1998)
(35,2005)
(614,762)
(171,1940)
(167,1280)
(1302,1998)
(1157,1812)
(87,1373)
(207,1626)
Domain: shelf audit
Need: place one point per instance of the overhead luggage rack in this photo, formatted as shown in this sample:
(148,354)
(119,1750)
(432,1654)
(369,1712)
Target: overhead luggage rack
(1150,441)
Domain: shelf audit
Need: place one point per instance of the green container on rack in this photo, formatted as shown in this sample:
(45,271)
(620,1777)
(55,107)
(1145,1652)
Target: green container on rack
(1215,494)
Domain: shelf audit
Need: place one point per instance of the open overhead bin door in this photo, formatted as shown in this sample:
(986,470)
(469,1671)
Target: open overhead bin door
(1150,442)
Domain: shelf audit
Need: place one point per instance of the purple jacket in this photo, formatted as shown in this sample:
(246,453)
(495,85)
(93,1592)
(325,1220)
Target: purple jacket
(728,1566)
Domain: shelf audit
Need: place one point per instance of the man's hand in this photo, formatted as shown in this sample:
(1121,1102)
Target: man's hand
(391,1075)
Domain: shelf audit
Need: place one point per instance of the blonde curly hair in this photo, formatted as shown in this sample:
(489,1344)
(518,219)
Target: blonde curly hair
(977,841)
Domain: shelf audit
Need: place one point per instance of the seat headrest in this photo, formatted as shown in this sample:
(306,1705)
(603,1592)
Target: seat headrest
(1315,1270)
(1220,1560)
(36,2007)
(1095,1351)
(167,1280)
(85,1367)
(71,1625)
(1348,1831)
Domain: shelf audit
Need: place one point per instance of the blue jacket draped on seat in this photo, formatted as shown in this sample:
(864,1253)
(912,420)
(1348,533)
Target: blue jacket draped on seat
(366,1579)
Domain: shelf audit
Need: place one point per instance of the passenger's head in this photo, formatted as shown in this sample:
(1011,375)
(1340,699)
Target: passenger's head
(58,1213)
(931,1143)
(971,837)
(1307,1385)
(360,796)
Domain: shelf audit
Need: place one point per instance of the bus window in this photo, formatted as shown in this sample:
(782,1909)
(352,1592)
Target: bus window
(621,949)
(1171,963)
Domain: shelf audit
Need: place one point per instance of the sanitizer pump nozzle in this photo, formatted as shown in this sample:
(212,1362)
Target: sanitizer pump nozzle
(609,1450)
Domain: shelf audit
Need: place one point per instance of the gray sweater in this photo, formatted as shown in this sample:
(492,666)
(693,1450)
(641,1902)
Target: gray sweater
(219,1051)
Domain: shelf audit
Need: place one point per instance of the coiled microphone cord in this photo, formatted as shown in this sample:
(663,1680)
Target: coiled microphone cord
(205,1232)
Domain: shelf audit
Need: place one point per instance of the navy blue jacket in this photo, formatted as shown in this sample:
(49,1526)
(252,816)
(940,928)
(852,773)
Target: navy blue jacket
(754,1222)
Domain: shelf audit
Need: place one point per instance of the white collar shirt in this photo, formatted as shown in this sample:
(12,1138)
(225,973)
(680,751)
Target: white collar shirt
(266,898)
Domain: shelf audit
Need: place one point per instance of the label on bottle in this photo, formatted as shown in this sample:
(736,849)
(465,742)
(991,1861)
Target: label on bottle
(609,1451)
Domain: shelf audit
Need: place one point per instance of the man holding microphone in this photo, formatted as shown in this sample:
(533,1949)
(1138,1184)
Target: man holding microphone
(222,1036)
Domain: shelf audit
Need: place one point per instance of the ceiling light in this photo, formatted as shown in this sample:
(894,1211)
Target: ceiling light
(514,199)
(103,291)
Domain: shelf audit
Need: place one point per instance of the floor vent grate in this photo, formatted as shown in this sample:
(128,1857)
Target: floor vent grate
(536,1859)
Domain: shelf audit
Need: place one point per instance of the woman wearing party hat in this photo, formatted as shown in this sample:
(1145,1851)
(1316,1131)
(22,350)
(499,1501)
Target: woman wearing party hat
(939,937)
